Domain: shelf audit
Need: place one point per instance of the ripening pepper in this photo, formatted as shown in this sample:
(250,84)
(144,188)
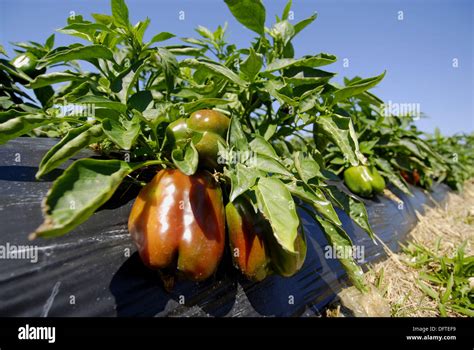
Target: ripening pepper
(412,178)
(363,180)
(247,237)
(178,132)
(178,221)
(286,263)
(208,149)
(209,120)
(27,62)
(206,128)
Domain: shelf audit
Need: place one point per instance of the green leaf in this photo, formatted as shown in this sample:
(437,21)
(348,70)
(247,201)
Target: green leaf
(318,60)
(53,78)
(204,103)
(183,50)
(169,65)
(6,103)
(10,114)
(76,92)
(310,99)
(140,28)
(120,13)
(357,88)
(274,88)
(316,199)
(213,68)
(307,167)
(84,30)
(49,44)
(75,140)
(286,10)
(126,82)
(141,100)
(277,205)
(366,147)
(353,207)
(241,180)
(44,95)
(123,134)
(101,18)
(85,186)
(430,278)
(13,71)
(163,36)
(304,23)
(99,101)
(237,136)
(261,146)
(205,32)
(268,129)
(410,146)
(186,159)
(394,178)
(269,165)
(339,239)
(341,132)
(22,125)
(252,65)
(250,13)
(306,78)
(428,290)
(449,289)
(86,53)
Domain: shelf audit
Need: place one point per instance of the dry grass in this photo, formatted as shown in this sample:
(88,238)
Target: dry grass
(442,229)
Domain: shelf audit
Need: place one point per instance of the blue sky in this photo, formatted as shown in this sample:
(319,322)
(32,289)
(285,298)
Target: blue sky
(417,52)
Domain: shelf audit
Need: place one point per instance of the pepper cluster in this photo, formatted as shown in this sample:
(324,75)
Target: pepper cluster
(178,222)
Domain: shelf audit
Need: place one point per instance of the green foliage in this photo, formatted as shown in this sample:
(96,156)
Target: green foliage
(292,129)
(446,280)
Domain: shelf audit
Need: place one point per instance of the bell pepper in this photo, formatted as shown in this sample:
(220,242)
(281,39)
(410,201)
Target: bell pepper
(178,132)
(412,178)
(287,263)
(208,149)
(363,180)
(206,128)
(178,222)
(255,250)
(247,238)
(210,121)
(27,62)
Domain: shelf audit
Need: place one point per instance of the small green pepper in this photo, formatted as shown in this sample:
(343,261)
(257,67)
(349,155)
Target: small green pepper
(364,181)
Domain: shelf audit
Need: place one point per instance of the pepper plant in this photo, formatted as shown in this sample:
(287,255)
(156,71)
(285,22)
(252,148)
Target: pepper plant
(148,105)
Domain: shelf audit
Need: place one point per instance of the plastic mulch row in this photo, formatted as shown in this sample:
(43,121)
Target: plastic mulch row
(95,270)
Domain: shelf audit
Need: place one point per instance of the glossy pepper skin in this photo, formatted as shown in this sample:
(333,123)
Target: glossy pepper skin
(178,221)
(378,183)
(208,149)
(27,62)
(285,263)
(207,128)
(364,181)
(178,132)
(247,237)
(209,120)
(412,178)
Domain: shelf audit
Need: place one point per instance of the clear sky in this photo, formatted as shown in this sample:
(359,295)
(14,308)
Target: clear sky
(417,52)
